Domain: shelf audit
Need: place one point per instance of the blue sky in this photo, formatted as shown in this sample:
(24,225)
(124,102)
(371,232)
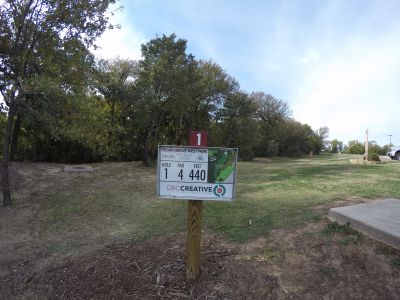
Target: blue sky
(336,63)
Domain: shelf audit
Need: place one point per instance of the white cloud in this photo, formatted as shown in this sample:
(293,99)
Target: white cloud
(124,42)
(354,88)
(311,56)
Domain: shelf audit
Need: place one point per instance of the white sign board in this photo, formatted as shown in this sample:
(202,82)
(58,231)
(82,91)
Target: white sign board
(196,173)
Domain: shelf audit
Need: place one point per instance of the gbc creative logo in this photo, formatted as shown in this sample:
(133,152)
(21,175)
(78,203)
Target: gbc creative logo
(219,190)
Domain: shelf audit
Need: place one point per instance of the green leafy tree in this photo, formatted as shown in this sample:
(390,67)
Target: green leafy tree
(336,146)
(43,41)
(384,150)
(212,89)
(237,124)
(373,147)
(167,78)
(63,127)
(114,83)
(293,138)
(355,147)
(313,142)
(323,133)
(270,112)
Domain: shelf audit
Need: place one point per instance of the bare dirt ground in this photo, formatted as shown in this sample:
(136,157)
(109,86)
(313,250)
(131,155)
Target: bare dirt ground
(309,262)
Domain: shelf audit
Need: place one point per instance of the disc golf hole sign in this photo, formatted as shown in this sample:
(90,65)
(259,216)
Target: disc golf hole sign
(196,173)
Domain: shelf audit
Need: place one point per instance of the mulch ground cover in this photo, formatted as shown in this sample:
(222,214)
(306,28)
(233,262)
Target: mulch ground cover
(153,269)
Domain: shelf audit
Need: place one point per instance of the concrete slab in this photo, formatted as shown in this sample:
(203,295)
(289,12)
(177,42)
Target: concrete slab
(80,168)
(378,219)
(384,158)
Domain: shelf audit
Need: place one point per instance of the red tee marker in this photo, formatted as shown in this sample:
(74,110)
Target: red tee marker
(198,138)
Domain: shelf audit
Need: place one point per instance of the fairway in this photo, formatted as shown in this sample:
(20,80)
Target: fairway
(118,200)
(60,215)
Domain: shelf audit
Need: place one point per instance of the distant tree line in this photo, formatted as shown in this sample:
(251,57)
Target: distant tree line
(61,104)
(356,147)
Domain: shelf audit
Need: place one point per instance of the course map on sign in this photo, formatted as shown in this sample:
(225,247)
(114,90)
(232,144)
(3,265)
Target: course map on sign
(221,165)
(196,173)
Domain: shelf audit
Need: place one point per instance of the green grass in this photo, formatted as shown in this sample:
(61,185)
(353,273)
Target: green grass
(328,271)
(273,255)
(118,200)
(335,227)
(348,234)
(396,263)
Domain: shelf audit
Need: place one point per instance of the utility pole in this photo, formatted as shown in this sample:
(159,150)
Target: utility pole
(390,140)
(366,145)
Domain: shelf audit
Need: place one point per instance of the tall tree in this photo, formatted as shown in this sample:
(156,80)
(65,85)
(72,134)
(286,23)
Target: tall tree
(323,133)
(313,140)
(336,146)
(43,40)
(238,124)
(270,110)
(293,138)
(165,84)
(213,89)
(355,147)
(114,81)
(270,113)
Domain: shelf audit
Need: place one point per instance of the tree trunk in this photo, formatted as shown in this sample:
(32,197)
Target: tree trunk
(112,114)
(15,137)
(146,143)
(34,150)
(146,150)
(6,158)
(112,122)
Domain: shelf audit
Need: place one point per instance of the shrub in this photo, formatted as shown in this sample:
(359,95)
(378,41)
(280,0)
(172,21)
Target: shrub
(355,148)
(373,157)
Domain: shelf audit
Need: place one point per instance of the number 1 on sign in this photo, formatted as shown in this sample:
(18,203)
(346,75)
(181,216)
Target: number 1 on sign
(198,138)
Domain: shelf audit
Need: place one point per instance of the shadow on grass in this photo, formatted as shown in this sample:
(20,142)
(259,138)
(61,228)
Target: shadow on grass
(329,170)
(241,221)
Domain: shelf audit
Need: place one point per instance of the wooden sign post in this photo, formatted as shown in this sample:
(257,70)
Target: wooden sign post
(195,211)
